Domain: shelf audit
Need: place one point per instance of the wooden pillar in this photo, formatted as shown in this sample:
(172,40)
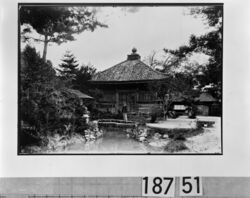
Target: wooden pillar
(137,99)
(116,101)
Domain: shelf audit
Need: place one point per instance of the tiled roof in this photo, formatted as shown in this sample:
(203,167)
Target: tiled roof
(133,69)
(205,97)
(78,94)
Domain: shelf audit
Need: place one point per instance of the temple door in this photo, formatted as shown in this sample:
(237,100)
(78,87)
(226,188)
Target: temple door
(130,99)
(132,102)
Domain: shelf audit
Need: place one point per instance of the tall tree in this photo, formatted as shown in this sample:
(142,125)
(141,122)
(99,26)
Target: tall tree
(68,68)
(176,87)
(82,82)
(209,44)
(56,24)
(211,14)
(37,82)
(34,71)
(84,74)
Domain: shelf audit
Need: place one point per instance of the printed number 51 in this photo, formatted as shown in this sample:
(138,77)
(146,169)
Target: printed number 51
(158,186)
(190,186)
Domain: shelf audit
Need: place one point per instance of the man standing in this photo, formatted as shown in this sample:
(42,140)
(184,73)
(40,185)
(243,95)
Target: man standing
(125,112)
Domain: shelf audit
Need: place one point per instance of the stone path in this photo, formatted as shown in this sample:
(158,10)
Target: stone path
(178,123)
(182,122)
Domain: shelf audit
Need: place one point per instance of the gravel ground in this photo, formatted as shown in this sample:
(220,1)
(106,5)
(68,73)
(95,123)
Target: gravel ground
(207,142)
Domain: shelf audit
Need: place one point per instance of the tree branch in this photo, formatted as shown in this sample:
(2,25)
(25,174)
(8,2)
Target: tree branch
(35,39)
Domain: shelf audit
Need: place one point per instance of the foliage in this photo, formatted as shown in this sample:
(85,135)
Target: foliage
(34,70)
(56,24)
(161,61)
(209,44)
(83,84)
(83,75)
(78,78)
(36,79)
(68,68)
(175,85)
(45,104)
(211,14)
(96,115)
(175,146)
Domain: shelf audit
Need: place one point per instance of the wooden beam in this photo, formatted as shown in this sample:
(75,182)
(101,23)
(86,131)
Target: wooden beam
(116,101)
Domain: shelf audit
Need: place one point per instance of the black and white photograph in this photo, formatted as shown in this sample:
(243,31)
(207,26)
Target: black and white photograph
(124,187)
(120,78)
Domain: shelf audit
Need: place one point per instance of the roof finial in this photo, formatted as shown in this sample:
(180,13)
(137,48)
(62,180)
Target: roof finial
(134,50)
(134,55)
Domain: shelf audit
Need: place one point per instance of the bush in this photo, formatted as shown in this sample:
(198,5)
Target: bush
(153,118)
(26,137)
(96,115)
(179,137)
(175,146)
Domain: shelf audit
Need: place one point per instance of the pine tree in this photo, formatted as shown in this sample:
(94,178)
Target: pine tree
(68,68)
(56,24)
(37,84)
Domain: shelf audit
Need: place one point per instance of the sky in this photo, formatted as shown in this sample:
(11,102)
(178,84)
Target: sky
(146,28)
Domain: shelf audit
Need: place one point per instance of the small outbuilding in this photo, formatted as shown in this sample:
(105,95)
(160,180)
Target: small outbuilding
(207,105)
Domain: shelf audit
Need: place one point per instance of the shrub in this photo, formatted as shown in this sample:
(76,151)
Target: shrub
(175,146)
(179,137)
(153,118)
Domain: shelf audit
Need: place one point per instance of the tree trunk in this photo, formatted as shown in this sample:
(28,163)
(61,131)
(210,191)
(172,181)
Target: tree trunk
(45,47)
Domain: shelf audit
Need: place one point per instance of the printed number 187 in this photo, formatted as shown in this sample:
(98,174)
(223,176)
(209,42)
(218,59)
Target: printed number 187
(158,186)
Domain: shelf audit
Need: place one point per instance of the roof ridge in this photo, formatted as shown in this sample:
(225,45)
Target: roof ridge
(110,67)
